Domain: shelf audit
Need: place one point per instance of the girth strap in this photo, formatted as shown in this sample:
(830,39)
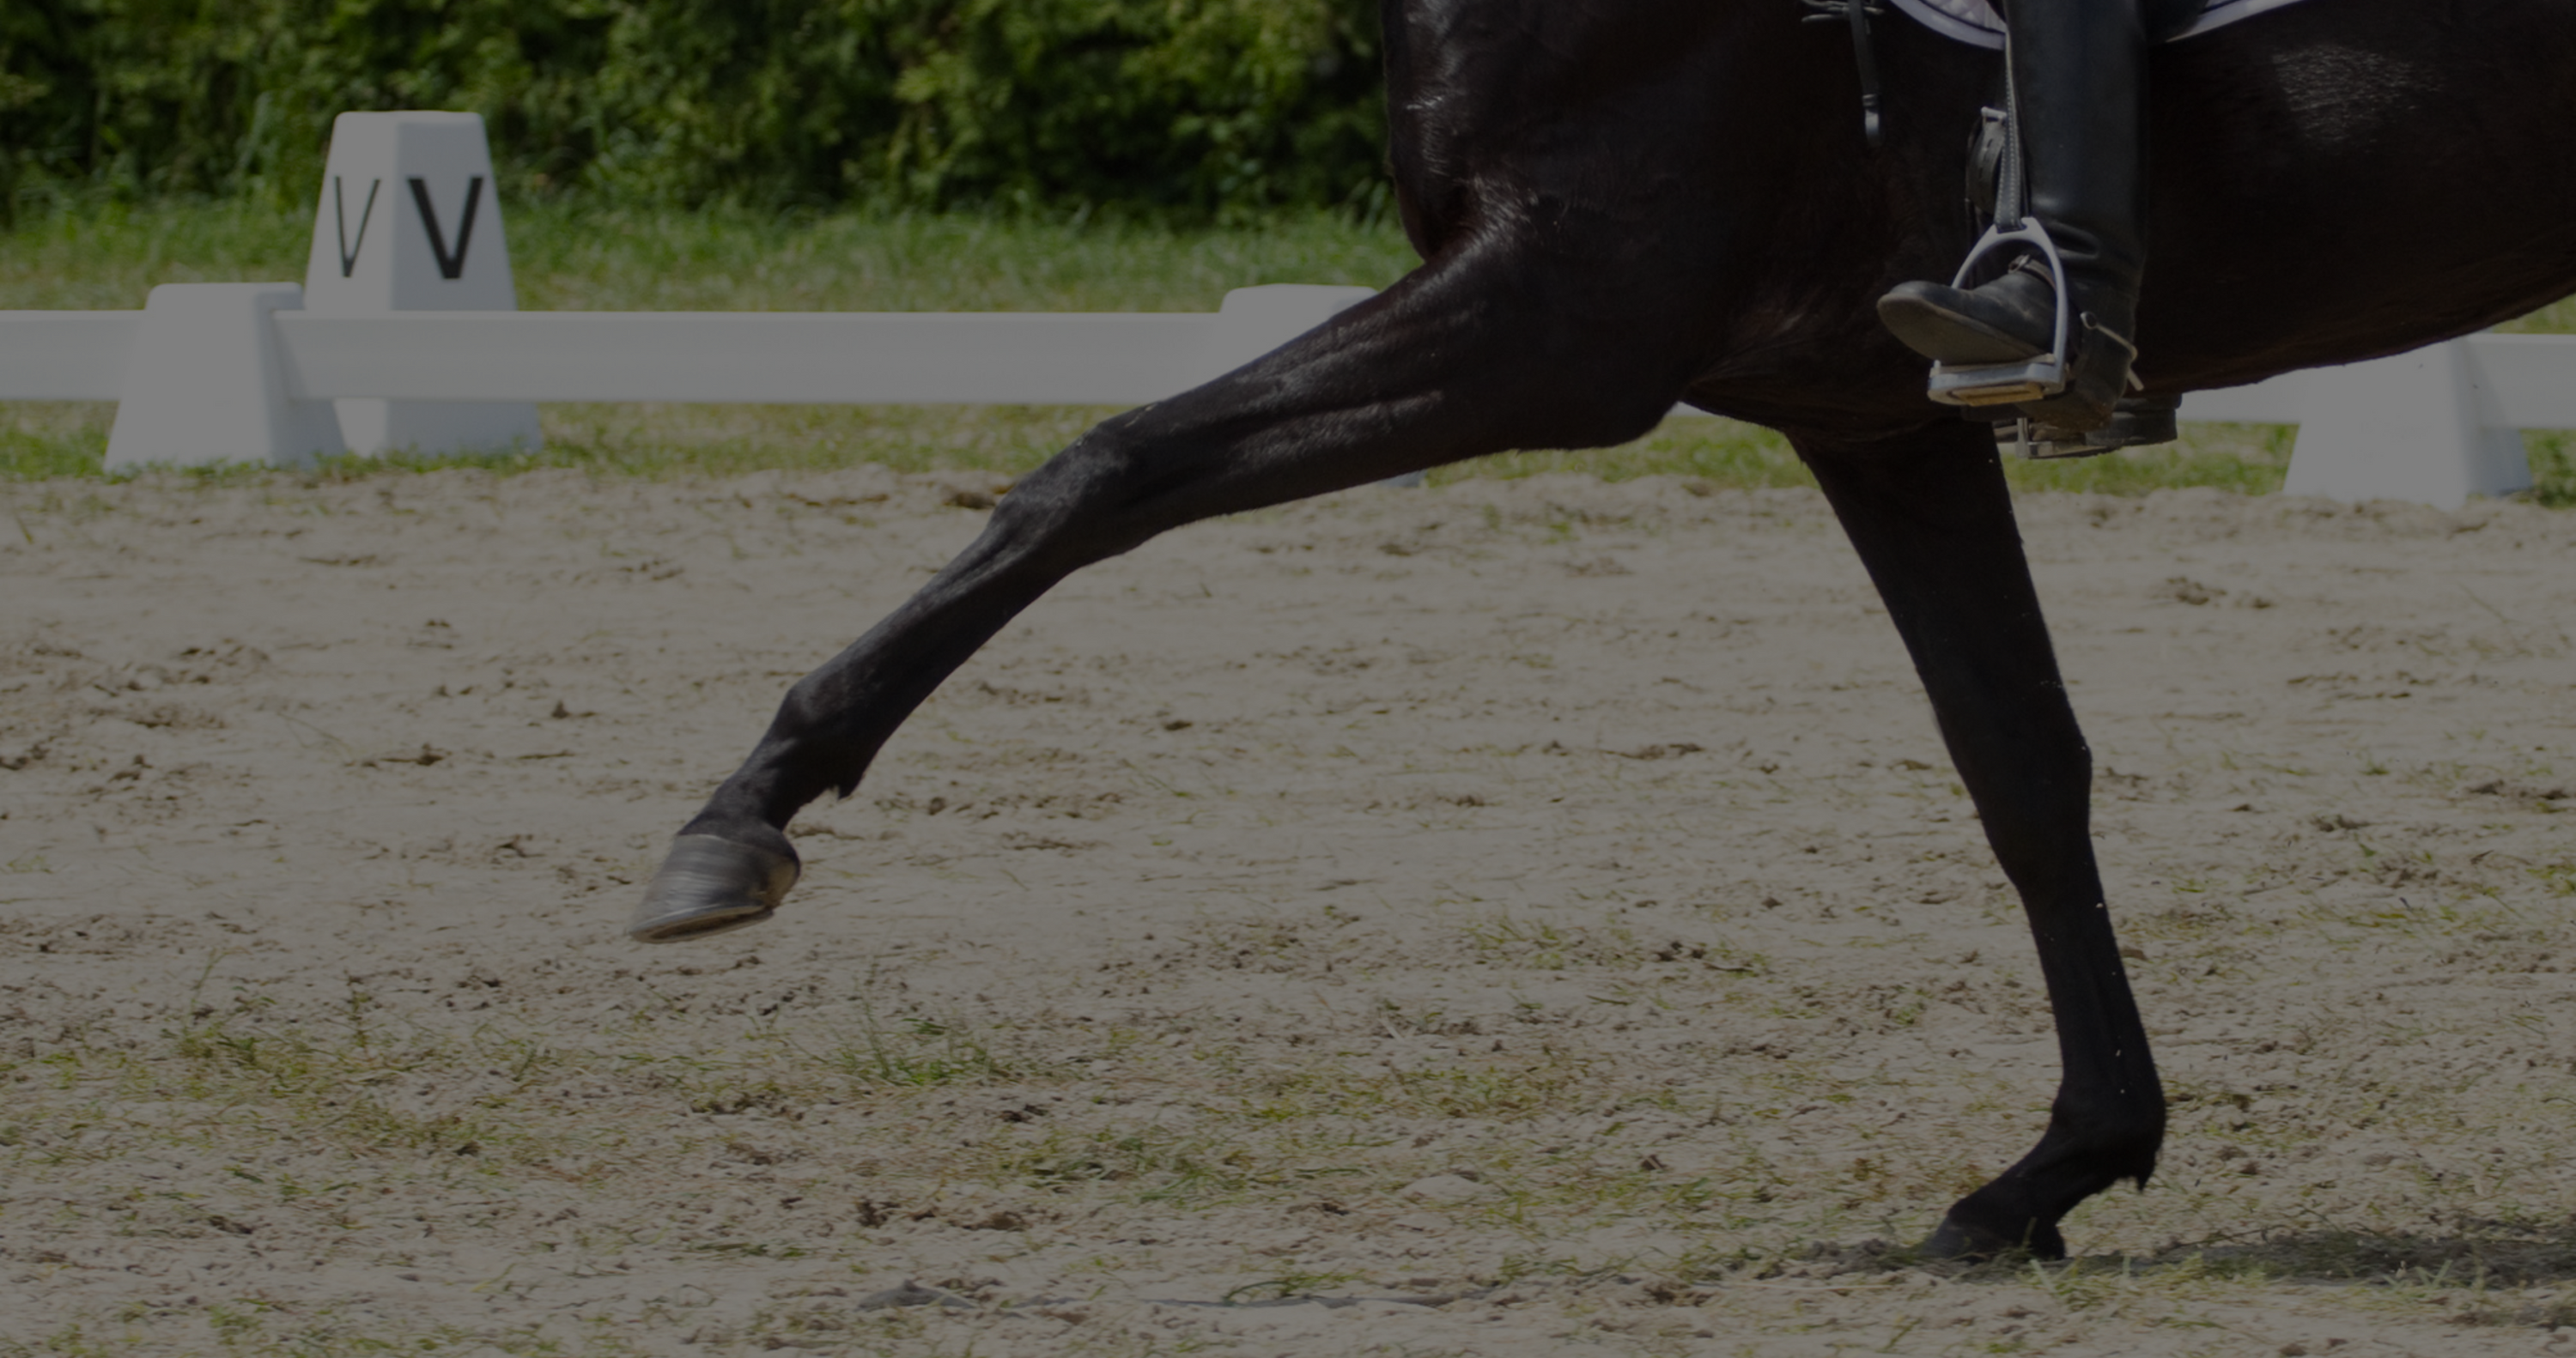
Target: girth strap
(1864,54)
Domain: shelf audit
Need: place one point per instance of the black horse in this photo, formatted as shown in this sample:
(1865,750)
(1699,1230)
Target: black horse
(1622,203)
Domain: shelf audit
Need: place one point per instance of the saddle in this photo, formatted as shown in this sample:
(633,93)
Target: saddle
(1978,24)
(1996,196)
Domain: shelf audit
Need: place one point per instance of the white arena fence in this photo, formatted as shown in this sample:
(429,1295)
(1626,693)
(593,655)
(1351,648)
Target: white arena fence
(404,335)
(213,372)
(238,372)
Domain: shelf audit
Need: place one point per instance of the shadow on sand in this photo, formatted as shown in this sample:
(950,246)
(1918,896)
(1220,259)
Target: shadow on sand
(2482,1254)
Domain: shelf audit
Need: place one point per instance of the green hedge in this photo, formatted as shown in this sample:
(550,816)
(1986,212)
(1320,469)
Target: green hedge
(1195,108)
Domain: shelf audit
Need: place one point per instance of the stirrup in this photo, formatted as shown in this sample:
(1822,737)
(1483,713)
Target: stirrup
(2136,421)
(2031,379)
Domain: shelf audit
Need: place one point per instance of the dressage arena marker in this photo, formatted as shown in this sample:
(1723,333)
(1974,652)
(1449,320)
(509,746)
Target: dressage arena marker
(410,220)
(2433,426)
(408,321)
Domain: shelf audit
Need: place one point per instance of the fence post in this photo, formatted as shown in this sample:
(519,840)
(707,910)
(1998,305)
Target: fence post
(410,220)
(205,383)
(2417,426)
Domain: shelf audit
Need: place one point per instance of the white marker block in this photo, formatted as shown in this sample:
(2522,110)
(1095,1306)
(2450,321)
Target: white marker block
(410,220)
(204,383)
(2420,426)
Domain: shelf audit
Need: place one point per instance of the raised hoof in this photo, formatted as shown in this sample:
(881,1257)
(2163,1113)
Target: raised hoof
(1976,1244)
(709,885)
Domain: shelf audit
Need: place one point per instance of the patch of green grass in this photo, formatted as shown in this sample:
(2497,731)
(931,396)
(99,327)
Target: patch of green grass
(53,440)
(1694,447)
(2557,318)
(46,440)
(42,441)
(109,256)
(328,1083)
(2553,467)
(1542,946)
(918,1051)
(2246,459)
(1000,442)
(1152,1163)
(578,259)
(2249,459)
(573,256)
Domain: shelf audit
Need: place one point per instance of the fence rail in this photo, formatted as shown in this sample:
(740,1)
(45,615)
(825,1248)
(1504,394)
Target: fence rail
(2436,425)
(65,355)
(859,358)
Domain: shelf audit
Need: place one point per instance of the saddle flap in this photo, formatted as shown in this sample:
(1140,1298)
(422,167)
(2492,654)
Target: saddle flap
(1978,23)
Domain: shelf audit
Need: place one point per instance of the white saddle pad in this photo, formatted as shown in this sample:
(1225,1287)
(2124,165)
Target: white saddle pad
(1975,21)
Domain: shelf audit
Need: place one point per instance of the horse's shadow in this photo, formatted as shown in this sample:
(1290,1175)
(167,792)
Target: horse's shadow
(2481,1254)
(2490,1259)
(2493,1252)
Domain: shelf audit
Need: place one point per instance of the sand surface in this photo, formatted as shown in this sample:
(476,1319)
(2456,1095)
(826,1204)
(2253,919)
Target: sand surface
(1509,919)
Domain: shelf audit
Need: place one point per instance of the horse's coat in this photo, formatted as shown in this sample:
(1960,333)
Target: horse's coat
(1624,202)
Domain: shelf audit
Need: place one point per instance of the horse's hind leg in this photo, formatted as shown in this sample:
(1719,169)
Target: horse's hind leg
(1933,522)
(1478,351)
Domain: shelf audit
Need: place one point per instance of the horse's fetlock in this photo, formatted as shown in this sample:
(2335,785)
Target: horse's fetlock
(2118,1153)
(2107,1126)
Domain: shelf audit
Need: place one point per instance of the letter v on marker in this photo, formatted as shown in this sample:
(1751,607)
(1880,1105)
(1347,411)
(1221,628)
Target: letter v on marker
(450,267)
(340,218)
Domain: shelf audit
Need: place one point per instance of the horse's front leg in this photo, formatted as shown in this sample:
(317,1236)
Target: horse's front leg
(1932,519)
(1485,348)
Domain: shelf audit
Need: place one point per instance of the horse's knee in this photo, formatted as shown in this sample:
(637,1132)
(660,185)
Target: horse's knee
(1078,506)
(1565,370)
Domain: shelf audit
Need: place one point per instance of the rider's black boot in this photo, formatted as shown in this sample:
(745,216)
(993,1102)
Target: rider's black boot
(2079,68)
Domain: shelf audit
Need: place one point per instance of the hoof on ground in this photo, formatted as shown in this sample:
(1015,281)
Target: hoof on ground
(709,885)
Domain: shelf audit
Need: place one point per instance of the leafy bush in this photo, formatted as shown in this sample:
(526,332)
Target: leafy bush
(1190,108)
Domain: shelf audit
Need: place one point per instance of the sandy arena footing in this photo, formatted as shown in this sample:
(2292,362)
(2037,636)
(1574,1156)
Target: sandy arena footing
(1516,918)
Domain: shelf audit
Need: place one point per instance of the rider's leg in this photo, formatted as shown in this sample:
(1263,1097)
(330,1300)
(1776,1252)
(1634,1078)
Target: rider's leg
(2080,78)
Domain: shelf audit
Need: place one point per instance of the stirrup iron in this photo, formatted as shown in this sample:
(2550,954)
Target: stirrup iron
(2136,422)
(2031,379)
